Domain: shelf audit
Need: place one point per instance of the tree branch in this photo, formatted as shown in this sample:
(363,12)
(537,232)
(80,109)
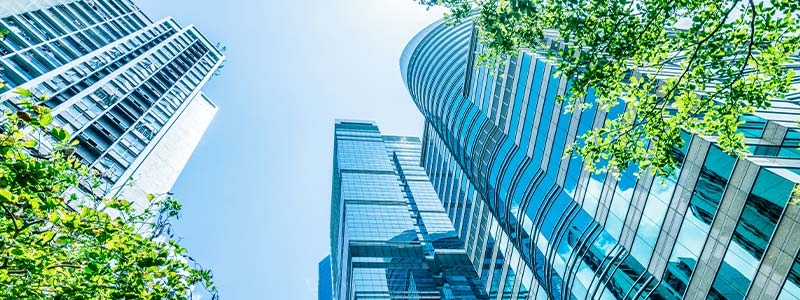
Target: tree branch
(697,49)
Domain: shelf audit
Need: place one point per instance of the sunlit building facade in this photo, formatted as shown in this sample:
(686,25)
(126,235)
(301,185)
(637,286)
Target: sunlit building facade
(128,88)
(390,236)
(537,226)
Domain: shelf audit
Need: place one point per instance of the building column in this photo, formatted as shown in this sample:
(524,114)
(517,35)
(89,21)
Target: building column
(695,157)
(778,258)
(634,216)
(721,232)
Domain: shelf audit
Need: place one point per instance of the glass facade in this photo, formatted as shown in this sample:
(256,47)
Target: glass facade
(126,87)
(537,226)
(324,285)
(391,238)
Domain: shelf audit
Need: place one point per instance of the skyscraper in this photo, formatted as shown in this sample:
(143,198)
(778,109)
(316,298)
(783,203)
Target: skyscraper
(390,236)
(324,284)
(126,87)
(537,226)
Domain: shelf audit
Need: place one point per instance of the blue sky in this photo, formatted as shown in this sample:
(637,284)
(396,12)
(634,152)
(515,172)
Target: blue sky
(256,192)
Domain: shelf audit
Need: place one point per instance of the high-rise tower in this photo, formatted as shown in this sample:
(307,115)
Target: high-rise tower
(324,284)
(537,226)
(126,87)
(390,236)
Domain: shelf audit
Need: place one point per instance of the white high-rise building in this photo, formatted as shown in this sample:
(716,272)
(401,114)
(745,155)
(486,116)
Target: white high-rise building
(126,87)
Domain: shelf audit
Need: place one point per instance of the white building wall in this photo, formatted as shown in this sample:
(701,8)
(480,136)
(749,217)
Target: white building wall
(161,167)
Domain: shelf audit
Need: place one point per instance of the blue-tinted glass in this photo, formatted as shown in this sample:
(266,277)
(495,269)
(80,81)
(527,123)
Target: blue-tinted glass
(791,289)
(702,207)
(520,94)
(533,101)
(760,216)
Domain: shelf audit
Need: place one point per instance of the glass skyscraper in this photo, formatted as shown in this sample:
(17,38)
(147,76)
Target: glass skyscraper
(324,284)
(536,226)
(390,236)
(126,87)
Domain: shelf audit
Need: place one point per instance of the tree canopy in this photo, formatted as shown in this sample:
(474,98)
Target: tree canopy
(693,65)
(57,242)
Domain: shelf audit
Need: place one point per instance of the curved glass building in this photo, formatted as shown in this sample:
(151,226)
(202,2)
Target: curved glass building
(537,226)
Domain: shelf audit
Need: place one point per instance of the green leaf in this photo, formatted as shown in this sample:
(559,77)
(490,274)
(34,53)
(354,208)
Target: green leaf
(47,235)
(92,268)
(5,195)
(60,134)
(63,240)
(7,152)
(17,252)
(150,197)
(23,92)
(29,143)
(45,119)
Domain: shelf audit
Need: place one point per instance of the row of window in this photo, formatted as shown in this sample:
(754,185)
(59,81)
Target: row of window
(41,41)
(581,241)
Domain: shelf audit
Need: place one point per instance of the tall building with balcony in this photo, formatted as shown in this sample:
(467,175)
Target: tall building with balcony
(126,87)
(390,236)
(537,226)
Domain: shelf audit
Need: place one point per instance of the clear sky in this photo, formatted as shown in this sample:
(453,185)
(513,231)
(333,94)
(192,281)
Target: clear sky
(256,192)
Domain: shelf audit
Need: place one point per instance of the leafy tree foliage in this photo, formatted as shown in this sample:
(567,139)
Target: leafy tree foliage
(694,65)
(59,243)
